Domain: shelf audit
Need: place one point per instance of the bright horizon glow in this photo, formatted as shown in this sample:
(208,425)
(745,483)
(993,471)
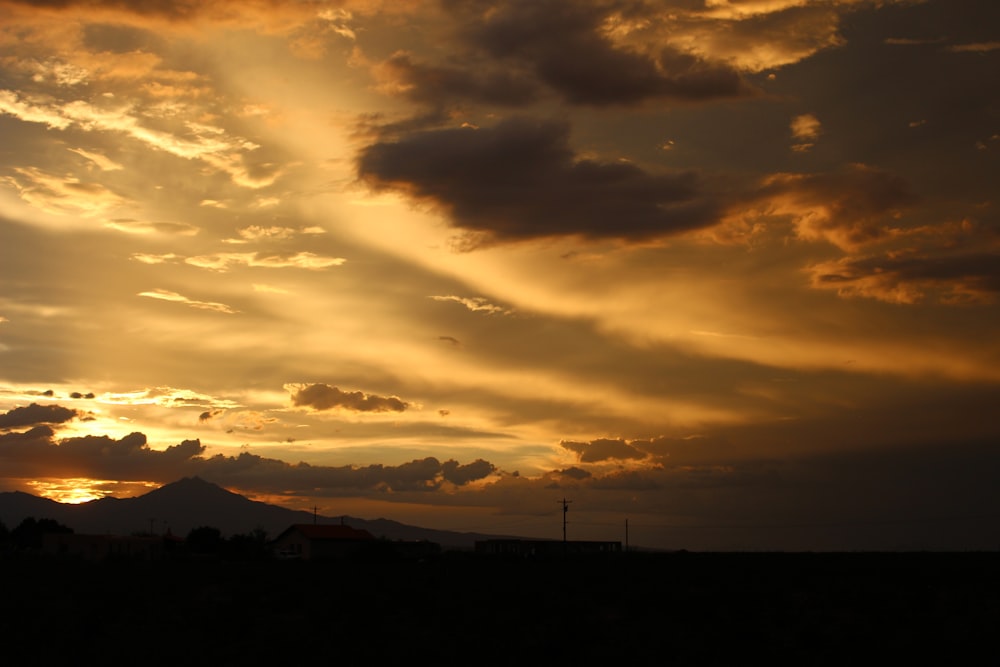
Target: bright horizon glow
(72,491)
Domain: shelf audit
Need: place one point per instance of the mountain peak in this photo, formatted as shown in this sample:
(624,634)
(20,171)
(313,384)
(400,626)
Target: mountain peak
(191,493)
(189,485)
(193,481)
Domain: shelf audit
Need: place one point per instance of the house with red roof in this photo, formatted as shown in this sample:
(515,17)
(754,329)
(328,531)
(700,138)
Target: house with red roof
(308,541)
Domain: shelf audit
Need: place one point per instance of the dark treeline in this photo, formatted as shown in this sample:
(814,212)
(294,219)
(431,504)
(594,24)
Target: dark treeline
(227,601)
(27,539)
(28,534)
(462,608)
(208,541)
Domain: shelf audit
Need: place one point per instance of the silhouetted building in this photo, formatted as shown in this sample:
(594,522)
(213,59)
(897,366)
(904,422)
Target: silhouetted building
(545,548)
(308,541)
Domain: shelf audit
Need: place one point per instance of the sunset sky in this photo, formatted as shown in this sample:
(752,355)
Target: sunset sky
(726,269)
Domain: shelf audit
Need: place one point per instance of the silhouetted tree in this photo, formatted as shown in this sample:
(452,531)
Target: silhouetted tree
(204,540)
(251,546)
(28,534)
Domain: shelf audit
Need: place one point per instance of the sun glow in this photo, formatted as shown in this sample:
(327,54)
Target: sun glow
(77,490)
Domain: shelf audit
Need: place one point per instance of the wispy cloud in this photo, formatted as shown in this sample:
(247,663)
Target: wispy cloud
(209,144)
(12,105)
(147,227)
(63,195)
(476,304)
(269,289)
(975,47)
(166,295)
(299,260)
(848,208)
(166,396)
(805,130)
(256,233)
(102,162)
(964,278)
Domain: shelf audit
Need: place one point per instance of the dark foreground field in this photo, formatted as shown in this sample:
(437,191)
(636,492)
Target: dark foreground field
(680,609)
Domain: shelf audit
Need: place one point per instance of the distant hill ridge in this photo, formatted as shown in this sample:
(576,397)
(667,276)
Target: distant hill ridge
(192,502)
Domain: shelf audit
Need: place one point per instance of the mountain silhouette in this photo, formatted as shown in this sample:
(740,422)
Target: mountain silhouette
(19,505)
(189,503)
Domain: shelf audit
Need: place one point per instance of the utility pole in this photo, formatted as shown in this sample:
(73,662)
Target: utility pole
(626,535)
(315,509)
(565,506)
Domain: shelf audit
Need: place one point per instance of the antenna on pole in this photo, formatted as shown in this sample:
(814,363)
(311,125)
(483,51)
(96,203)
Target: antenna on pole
(315,509)
(565,508)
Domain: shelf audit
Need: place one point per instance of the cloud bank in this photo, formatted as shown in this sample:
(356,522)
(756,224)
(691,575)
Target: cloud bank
(324,397)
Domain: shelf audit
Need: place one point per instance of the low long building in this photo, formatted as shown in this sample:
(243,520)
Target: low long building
(545,548)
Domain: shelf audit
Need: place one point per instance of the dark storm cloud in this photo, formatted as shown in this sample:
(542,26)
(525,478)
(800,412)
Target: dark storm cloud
(36,414)
(521,180)
(35,453)
(603,450)
(458,474)
(17,443)
(572,473)
(128,452)
(656,452)
(169,9)
(437,85)
(660,453)
(376,125)
(174,9)
(567,47)
(324,397)
(208,415)
(250,471)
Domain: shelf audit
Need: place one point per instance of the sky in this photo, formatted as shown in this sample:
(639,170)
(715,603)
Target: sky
(722,274)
